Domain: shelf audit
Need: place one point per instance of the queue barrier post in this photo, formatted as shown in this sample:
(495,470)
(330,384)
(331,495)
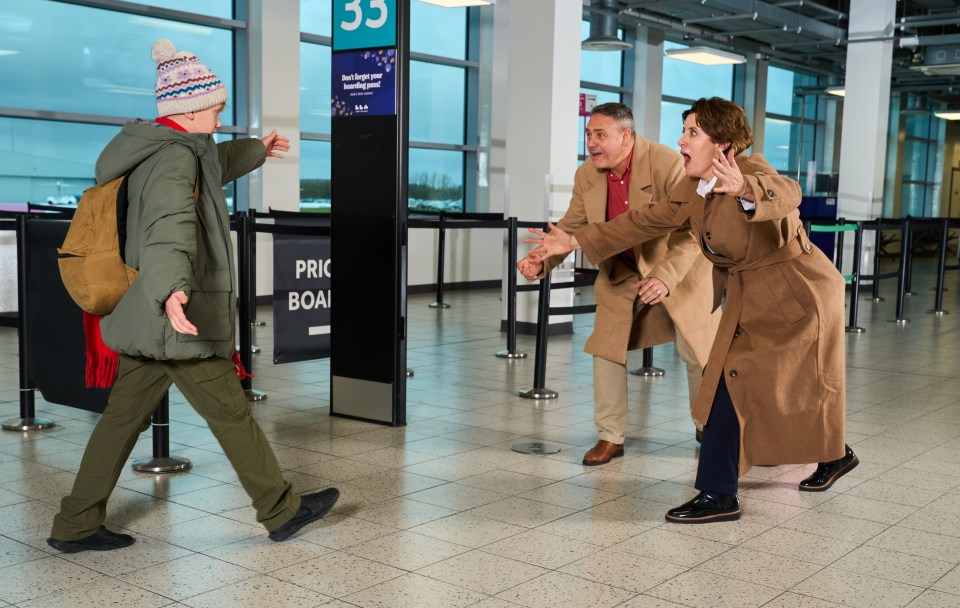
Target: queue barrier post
(161,462)
(244,283)
(854,277)
(941,269)
(905,244)
(647,369)
(441,248)
(877,240)
(511,351)
(908,275)
(538,391)
(254,322)
(28,420)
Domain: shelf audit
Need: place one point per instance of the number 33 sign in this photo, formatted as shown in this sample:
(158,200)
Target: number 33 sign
(362,24)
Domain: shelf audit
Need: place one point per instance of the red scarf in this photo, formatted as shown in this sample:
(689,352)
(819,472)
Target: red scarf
(102,362)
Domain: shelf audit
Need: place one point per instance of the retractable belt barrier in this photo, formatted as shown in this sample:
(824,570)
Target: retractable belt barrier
(247,227)
(51,339)
(587,277)
(447,220)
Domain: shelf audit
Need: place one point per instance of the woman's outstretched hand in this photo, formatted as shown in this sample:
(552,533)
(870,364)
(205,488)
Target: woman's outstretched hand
(729,178)
(554,242)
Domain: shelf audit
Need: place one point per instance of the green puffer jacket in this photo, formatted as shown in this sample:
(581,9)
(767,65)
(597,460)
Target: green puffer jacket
(175,244)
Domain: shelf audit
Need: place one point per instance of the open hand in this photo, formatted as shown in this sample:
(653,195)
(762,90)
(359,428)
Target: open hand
(530,267)
(729,178)
(554,242)
(173,307)
(277,145)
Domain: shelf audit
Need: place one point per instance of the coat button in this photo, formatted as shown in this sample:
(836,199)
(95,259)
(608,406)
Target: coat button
(808,246)
(709,236)
(736,334)
(733,373)
(771,193)
(710,196)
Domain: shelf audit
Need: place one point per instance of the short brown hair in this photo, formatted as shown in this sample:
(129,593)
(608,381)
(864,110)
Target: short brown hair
(723,121)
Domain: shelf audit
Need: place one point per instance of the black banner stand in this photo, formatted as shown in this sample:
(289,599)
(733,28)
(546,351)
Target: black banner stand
(369,137)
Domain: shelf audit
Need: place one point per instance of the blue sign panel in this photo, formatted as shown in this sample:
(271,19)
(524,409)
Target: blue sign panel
(364,24)
(364,83)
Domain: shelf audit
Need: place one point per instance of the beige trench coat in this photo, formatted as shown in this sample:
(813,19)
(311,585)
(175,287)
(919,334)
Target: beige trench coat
(780,345)
(655,171)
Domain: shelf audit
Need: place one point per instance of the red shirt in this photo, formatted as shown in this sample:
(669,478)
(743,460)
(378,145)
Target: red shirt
(618,198)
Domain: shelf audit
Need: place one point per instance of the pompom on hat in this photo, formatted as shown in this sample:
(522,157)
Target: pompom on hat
(183,83)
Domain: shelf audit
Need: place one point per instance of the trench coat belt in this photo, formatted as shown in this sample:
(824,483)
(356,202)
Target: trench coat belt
(731,315)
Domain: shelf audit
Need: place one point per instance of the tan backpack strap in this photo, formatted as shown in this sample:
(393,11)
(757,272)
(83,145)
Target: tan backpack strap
(196,186)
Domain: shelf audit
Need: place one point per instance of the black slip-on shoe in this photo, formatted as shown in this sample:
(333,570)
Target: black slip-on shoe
(101,540)
(828,473)
(312,508)
(706,508)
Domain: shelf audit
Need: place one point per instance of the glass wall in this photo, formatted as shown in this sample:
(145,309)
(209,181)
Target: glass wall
(601,74)
(439,73)
(922,166)
(790,126)
(680,80)
(91,68)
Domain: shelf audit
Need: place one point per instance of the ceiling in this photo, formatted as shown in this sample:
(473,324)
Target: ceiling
(810,35)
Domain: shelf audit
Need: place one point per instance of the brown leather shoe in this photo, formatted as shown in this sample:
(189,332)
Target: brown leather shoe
(602,453)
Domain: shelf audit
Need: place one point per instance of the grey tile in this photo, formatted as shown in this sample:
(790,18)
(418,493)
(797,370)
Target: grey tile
(858,590)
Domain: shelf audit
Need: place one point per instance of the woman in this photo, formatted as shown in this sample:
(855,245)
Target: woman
(773,387)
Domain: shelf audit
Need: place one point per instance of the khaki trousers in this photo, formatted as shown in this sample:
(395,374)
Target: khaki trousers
(212,388)
(610,392)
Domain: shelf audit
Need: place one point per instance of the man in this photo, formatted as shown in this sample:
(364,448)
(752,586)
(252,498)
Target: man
(656,293)
(175,324)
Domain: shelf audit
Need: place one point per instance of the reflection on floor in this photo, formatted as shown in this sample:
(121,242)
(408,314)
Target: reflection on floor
(443,514)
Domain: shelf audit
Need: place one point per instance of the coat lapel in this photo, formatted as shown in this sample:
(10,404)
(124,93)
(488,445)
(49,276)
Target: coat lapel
(641,179)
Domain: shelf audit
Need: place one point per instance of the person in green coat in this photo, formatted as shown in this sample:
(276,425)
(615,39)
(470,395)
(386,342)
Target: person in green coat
(175,324)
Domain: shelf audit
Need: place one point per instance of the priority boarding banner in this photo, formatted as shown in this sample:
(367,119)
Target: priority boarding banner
(301,298)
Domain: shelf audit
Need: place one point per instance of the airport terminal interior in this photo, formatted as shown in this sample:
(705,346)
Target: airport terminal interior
(854,99)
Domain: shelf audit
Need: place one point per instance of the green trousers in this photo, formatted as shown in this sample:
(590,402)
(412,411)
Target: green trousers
(212,388)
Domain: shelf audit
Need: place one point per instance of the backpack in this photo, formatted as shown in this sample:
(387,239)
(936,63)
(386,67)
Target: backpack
(91,259)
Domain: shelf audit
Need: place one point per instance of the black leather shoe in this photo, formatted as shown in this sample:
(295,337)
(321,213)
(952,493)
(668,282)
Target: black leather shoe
(706,508)
(101,540)
(312,508)
(828,473)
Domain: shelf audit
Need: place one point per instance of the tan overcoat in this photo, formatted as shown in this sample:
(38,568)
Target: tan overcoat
(675,259)
(780,345)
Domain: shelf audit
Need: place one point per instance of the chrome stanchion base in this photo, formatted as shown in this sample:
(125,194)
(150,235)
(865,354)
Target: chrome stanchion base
(538,393)
(534,448)
(27,424)
(162,465)
(909,293)
(256,323)
(409,373)
(254,395)
(898,321)
(876,299)
(855,330)
(439,305)
(647,371)
(510,354)
(255,349)
(939,312)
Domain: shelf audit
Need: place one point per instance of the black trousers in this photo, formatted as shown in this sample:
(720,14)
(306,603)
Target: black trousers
(720,447)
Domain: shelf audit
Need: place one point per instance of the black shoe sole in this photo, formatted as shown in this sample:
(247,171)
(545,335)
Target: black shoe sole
(853,464)
(65,546)
(709,519)
(596,464)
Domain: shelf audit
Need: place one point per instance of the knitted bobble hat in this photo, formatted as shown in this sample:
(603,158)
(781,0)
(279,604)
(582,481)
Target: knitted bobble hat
(183,83)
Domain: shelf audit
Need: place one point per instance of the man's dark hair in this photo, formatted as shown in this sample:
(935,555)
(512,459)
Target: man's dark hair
(619,112)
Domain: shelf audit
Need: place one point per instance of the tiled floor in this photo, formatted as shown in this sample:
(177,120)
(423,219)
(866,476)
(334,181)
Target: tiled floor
(443,514)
